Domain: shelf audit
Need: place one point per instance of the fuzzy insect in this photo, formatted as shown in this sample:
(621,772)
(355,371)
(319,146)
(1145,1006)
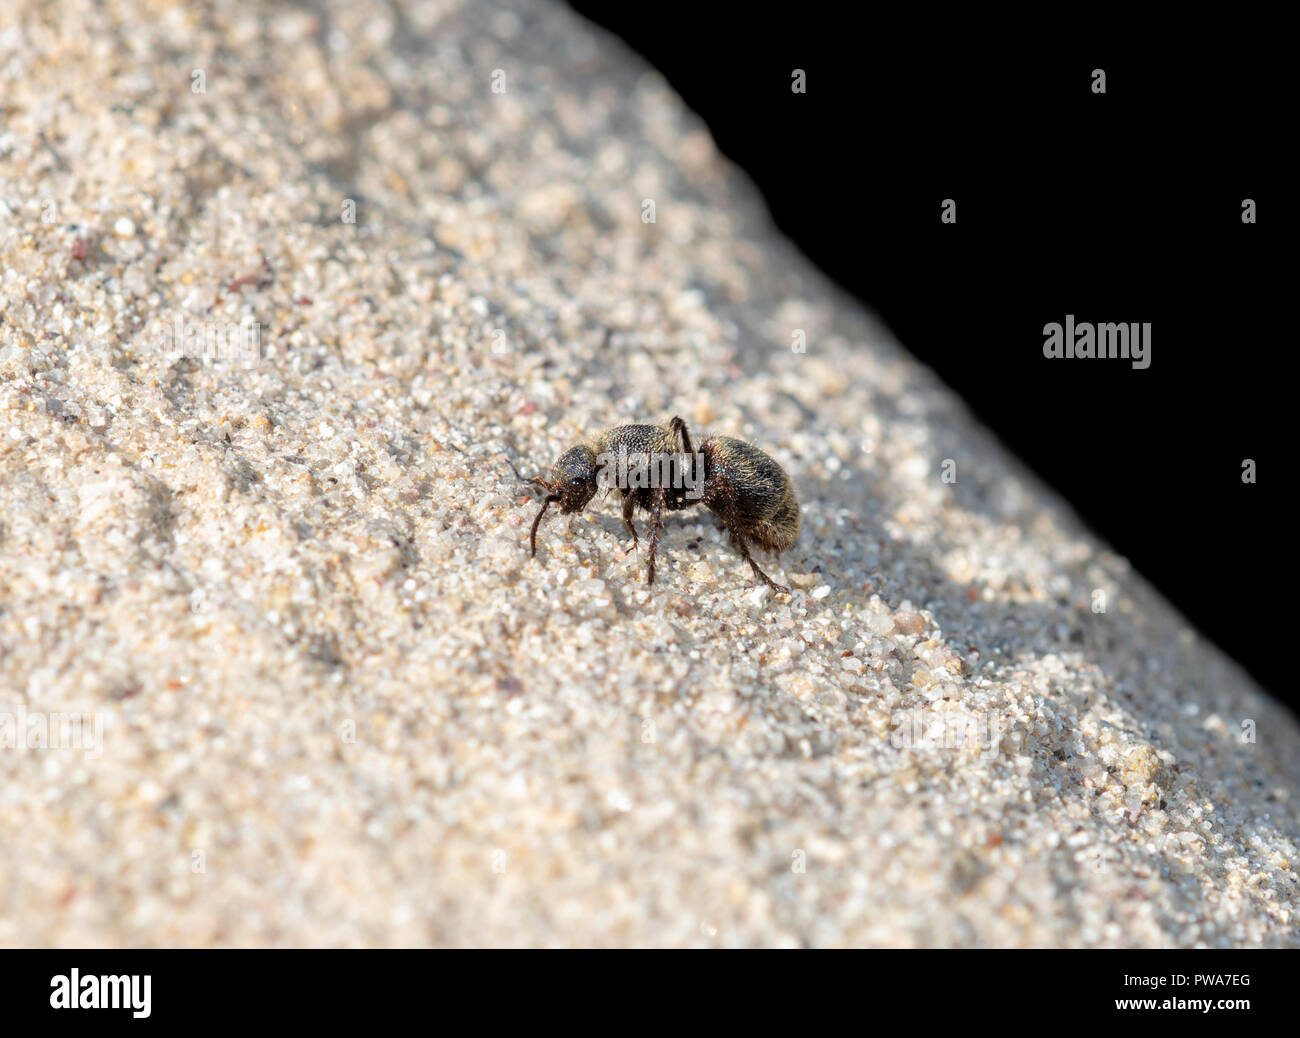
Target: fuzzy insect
(750,494)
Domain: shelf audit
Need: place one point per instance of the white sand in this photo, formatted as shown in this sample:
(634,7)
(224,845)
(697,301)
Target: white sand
(298,598)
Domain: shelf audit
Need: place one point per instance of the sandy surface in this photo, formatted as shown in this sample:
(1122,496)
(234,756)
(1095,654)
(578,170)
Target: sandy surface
(339,703)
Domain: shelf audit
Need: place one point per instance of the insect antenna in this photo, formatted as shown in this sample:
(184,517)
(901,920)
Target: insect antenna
(546,503)
(517,475)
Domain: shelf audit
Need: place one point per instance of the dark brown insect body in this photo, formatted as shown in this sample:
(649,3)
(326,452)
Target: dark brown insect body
(749,492)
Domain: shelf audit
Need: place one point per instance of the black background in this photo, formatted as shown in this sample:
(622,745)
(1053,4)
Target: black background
(333,992)
(1120,207)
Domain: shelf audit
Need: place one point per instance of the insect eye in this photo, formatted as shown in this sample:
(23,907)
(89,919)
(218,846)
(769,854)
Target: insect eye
(575,482)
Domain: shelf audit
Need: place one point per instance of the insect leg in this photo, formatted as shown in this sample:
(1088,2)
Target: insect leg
(629,503)
(656,524)
(743,548)
(678,426)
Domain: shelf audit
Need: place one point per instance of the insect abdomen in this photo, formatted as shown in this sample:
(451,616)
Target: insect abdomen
(762,494)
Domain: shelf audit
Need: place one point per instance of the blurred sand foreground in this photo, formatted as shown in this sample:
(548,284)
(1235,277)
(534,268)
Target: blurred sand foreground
(283,294)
